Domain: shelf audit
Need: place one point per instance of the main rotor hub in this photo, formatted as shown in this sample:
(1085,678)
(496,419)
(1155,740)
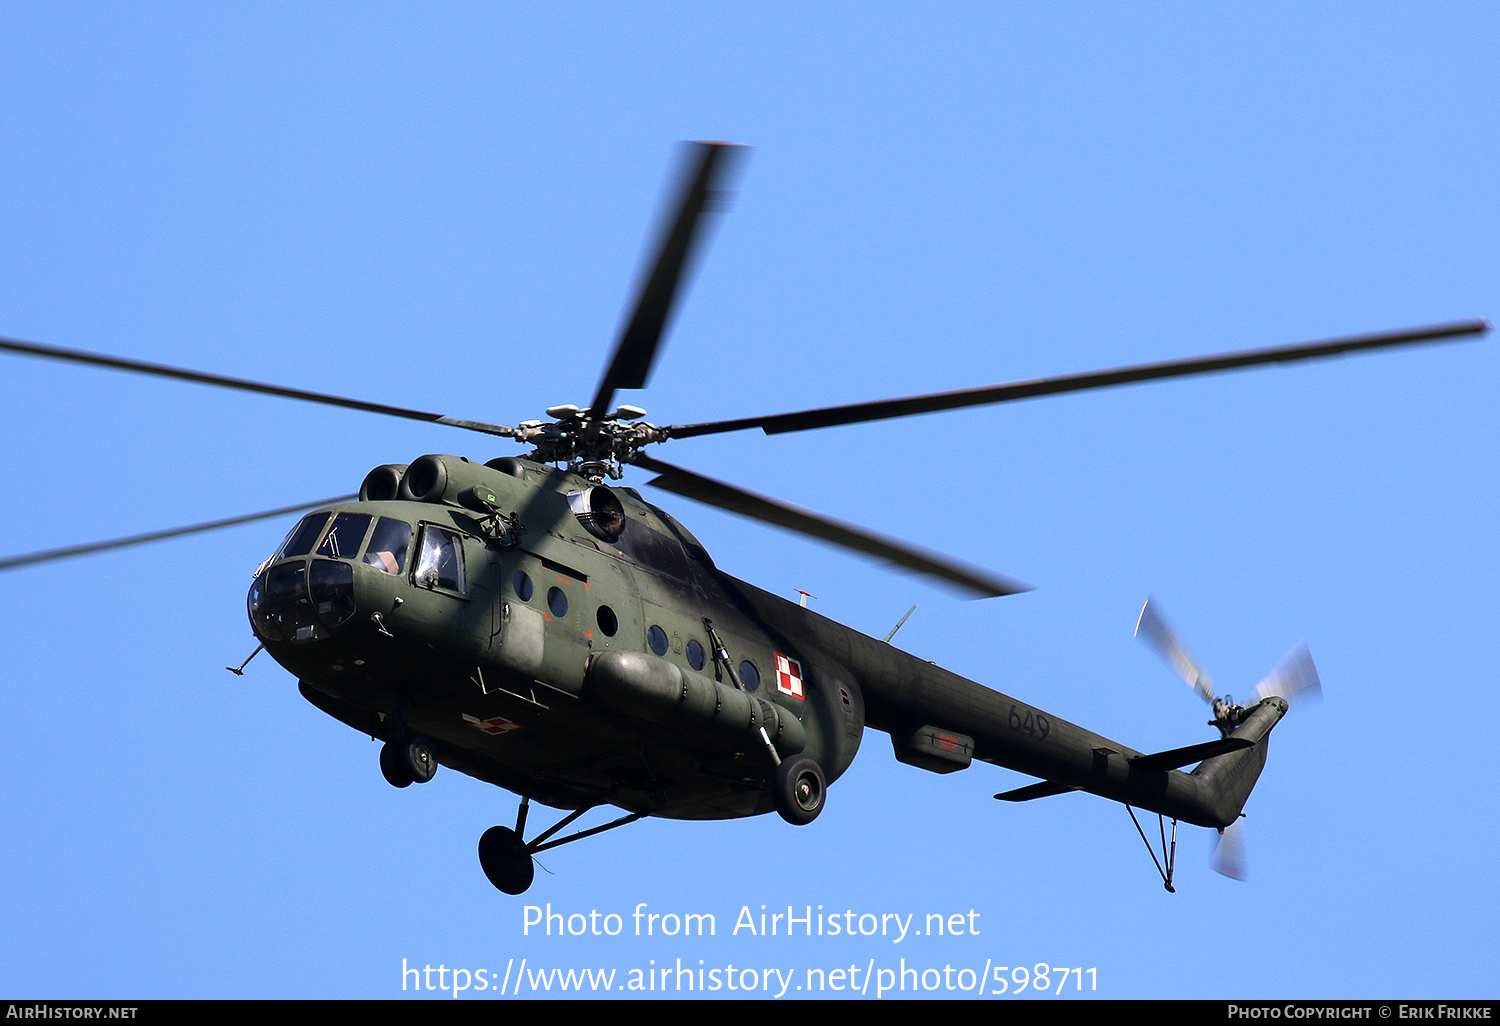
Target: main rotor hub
(592,449)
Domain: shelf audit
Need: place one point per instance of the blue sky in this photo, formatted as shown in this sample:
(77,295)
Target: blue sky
(446,209)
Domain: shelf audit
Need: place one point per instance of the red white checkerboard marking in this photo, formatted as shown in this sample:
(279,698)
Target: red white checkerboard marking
(493,725)
(789,676)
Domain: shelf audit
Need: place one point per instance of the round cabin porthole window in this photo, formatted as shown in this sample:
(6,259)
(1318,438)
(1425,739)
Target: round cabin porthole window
(608,622)
(522,585)
(557,602)
(656,638)
(695,654)
(749,675)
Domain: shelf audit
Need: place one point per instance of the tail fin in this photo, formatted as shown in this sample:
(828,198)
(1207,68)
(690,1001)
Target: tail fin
(1225,781)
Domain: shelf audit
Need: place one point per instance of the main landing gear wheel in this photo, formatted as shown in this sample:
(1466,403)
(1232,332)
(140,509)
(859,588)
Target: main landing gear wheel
(798,788)
(408,760)
(503,858)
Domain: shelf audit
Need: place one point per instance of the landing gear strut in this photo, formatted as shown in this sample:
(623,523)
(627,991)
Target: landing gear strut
(507,860)
(797,783)
(408,760)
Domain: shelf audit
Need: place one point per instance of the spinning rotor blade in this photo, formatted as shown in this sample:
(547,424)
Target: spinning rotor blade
(1152,628)
(976,582)
(934,402)
(1295,679)
(47,556)
(636,348)
(1229,852)
(239,384)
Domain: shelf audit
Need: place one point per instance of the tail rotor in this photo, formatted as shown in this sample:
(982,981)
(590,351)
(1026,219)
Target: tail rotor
(1295,679)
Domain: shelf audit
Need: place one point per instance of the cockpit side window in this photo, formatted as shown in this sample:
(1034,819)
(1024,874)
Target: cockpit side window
(441,561)
(344,536)
(303,536)
(387,549)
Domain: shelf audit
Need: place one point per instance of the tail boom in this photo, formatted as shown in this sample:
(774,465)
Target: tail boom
(1212,795)
(904,694)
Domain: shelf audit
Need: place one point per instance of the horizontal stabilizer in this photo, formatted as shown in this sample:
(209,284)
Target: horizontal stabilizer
(1178,757)
(1043,790)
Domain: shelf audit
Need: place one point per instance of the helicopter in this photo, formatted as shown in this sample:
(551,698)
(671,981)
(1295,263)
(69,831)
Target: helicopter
(528,623)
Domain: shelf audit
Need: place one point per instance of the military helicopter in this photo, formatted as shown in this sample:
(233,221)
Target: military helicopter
(528,623)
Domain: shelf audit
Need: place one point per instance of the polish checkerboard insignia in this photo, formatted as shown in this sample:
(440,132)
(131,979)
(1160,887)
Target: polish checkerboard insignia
(789,676)
(493,725)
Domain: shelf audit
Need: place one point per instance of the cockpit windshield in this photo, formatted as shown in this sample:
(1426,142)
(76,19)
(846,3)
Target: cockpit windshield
(303,537)
(297,599)
(388,542)
(348,530)
(387,549)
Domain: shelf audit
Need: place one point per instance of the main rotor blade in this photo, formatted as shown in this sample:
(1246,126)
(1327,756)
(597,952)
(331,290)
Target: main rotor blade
(977,582)
(1153,629)
(239,384)
(701,191)
(49,555)
(936,401)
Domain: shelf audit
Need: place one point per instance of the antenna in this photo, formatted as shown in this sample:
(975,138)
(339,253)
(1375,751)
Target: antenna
(899,622)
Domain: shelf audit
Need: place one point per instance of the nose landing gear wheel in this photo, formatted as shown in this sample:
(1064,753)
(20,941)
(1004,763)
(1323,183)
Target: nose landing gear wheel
(797,789)
(503,858)
(408,760)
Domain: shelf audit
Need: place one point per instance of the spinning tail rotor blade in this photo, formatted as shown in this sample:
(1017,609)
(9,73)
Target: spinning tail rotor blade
(1229,852)
(1152,628)
(1295,679)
